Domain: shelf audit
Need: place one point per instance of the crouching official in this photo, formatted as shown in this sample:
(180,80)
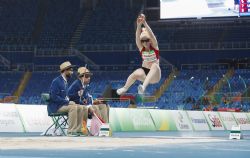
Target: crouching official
(79,92)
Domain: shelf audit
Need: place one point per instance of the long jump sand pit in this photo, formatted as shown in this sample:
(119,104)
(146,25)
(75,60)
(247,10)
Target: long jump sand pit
(89,143)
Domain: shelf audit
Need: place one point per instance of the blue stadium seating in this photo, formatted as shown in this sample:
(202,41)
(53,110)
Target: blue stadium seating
(9,81)
(115,24)
(17,21)
(60,23)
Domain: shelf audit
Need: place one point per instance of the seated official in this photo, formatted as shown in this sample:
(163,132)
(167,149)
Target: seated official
(79,93)
(59,100)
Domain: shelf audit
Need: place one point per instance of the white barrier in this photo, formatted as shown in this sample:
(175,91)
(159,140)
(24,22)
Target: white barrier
(242,120)
(198,120)
(34,118)
(228,120)
(10,119)
(181,120)
(214,120)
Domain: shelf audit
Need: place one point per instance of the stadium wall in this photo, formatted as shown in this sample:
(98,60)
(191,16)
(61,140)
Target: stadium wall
(34,118)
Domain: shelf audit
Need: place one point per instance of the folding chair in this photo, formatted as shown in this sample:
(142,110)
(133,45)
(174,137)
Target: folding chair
(60,119)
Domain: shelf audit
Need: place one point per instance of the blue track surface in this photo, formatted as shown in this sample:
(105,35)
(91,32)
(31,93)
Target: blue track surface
(225,149)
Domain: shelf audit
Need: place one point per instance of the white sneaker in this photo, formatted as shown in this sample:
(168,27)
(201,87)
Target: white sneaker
(121,91)
(141,89)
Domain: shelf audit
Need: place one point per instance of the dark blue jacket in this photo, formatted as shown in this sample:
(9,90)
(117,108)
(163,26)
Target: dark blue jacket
(73,93)
(58,93)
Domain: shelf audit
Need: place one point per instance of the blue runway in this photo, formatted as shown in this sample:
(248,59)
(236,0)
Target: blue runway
(191,148)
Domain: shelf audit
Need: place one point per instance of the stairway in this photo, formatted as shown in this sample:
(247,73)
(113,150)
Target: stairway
(217,87)
(4,61)
(40,20)
(158,93)
(22,85)
(222,36)
(246,93)
(85,59)
(77,34)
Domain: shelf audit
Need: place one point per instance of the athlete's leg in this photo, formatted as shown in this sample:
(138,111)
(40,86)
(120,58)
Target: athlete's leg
(138,74)
(153,76)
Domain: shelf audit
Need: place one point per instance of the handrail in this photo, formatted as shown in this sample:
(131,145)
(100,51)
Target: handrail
(203,66)
(129,67)
(54,52)
(243,65)
(17,48)
(164,46)
(178,46)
